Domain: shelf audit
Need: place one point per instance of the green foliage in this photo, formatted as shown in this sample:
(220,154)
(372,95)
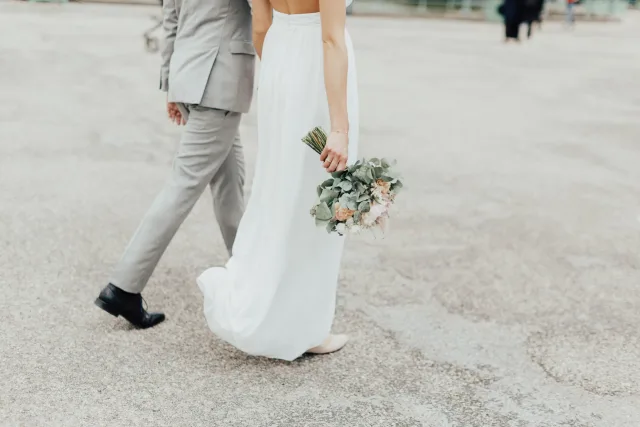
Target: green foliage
(323,212)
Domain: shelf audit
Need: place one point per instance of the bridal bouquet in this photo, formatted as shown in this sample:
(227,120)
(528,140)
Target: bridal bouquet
(357,198)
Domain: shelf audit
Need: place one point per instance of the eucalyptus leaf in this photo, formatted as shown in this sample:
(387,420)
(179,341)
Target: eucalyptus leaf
(361,174)
(323,212)
(370,178)
(328,183)
(328,195)
(363,198)
(364,206)
(385,163)
(356,216)
(330,226)
(346,185)
(377,172)
(352,204)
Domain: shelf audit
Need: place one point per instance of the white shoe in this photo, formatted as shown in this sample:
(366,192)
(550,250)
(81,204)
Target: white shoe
(331,344)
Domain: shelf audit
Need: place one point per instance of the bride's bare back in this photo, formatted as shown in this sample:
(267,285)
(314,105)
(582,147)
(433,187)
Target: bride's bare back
(295,7)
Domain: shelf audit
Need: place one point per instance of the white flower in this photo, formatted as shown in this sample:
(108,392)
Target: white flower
(341,227)
(370,218)
(376,195)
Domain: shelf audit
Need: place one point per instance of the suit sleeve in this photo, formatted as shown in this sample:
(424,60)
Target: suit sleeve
(170,26)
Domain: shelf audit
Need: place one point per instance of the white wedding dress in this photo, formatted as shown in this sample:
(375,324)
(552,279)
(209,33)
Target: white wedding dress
(276,295)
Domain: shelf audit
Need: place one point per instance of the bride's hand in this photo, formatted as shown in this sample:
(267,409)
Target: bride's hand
(335,154)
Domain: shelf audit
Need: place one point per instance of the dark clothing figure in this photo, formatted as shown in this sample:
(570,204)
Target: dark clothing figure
(532,13)
(512,30)
(513,12)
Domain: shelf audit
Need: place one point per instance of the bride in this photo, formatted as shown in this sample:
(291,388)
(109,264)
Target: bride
(276,295)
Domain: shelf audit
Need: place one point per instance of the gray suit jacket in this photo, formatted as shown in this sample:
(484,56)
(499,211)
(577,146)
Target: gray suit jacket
(208,57)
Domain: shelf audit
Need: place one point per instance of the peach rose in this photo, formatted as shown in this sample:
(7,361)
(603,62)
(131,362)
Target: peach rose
(384,186)
(343,214)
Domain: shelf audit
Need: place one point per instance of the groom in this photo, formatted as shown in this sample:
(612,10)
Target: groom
(207,69)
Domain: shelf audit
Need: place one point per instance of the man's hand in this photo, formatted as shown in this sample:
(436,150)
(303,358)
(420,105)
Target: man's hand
(174,114)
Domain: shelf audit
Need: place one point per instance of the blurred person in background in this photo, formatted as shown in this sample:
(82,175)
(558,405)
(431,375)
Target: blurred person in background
(570,18)
(533,13)
(513,13)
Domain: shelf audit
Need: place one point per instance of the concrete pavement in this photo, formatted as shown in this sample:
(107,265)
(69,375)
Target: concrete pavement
(506,294)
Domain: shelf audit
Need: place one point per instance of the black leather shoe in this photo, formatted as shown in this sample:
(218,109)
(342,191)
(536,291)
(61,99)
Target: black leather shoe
(117,302)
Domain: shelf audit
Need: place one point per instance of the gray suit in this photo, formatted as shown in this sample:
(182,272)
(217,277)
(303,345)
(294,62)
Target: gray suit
(207,68)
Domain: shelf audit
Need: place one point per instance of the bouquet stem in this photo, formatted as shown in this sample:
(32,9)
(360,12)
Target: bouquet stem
(316,139)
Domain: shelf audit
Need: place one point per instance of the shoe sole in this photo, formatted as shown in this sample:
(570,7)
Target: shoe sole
(107,307)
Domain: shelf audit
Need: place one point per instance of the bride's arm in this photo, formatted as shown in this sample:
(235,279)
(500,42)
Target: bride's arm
(260,23)
(333,17)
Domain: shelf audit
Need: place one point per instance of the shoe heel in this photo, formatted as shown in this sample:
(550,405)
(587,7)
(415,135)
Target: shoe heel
(107,307)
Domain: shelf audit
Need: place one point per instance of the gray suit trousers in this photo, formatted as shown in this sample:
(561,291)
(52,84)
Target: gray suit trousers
(209,154)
